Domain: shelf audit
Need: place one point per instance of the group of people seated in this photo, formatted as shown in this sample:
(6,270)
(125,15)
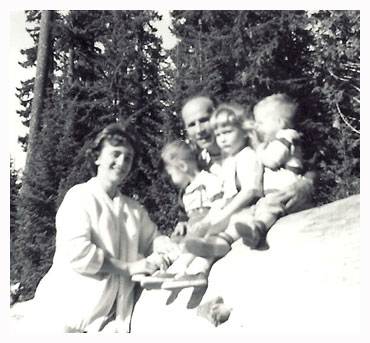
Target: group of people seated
(236,173)
(235,193)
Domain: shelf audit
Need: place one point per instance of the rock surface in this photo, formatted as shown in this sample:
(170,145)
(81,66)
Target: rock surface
(307,282)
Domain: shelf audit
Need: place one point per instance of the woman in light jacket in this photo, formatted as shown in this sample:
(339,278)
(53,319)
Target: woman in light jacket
(101,241)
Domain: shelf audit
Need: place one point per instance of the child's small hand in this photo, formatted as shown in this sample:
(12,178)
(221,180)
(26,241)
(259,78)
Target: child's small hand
(180,229)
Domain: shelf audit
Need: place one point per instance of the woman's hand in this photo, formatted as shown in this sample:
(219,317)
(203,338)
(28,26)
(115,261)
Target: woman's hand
(160,260)
(143,266)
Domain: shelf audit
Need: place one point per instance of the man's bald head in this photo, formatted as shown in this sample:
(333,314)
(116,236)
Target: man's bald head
(196,104)
(196,114)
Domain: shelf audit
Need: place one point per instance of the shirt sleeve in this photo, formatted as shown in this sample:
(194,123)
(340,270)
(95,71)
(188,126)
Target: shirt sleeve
(249,170)
(277,152)
(74,234)
(148,232)
(274,154)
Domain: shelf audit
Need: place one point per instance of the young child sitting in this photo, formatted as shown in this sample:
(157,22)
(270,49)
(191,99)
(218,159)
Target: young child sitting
(281,157)
(200,190)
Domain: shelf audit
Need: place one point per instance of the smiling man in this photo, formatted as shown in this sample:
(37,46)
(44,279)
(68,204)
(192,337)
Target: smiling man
(196,114)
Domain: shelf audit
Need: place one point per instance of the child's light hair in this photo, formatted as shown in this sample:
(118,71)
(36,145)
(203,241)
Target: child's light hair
(288,107)
(176,151)
(233,115)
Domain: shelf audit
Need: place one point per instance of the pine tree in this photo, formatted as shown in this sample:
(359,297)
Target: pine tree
(14,232)
(336,74)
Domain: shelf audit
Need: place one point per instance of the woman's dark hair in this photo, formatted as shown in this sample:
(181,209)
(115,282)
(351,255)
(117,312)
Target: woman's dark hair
(116,135)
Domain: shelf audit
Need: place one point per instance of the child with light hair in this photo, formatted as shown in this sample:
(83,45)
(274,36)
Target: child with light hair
(280,154)
(241,172)
(199,190)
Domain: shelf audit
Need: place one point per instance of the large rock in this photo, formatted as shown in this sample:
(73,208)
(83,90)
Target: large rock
(307,282)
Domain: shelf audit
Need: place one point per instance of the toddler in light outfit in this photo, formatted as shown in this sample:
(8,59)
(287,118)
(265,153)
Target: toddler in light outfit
(200,190)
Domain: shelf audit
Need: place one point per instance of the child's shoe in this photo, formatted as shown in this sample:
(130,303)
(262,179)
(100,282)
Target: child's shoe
(187,280)
(213,246)
(253,237)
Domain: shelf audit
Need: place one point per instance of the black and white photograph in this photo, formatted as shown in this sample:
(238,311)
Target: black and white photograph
(185,171)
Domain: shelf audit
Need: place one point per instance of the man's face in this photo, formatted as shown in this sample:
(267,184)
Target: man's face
(196,120)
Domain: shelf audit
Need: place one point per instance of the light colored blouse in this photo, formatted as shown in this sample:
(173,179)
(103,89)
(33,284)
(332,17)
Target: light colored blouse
(90,225)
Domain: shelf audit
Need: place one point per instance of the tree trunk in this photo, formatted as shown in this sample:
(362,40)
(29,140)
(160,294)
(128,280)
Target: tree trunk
(42,67)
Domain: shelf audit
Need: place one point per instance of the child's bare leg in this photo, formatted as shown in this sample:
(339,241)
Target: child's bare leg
(215,245)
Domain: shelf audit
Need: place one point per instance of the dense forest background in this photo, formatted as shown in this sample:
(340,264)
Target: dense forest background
(106,66)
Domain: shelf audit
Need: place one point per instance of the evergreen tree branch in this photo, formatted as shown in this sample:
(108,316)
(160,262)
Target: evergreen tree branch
(345,120)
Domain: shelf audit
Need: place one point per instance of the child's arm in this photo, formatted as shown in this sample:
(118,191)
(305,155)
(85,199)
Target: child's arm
(250,174)
(275,153)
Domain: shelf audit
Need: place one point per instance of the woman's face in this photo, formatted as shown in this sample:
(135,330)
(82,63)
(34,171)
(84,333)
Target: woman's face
(114,162)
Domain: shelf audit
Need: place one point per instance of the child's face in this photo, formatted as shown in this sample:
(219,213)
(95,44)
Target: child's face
(114,162)
(178,177)
(231,139)
(268,122)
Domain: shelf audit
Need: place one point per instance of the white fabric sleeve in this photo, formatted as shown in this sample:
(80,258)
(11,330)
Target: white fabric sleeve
(289,134)
(249,170)
(274,155)
(74,234)
(148,232)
